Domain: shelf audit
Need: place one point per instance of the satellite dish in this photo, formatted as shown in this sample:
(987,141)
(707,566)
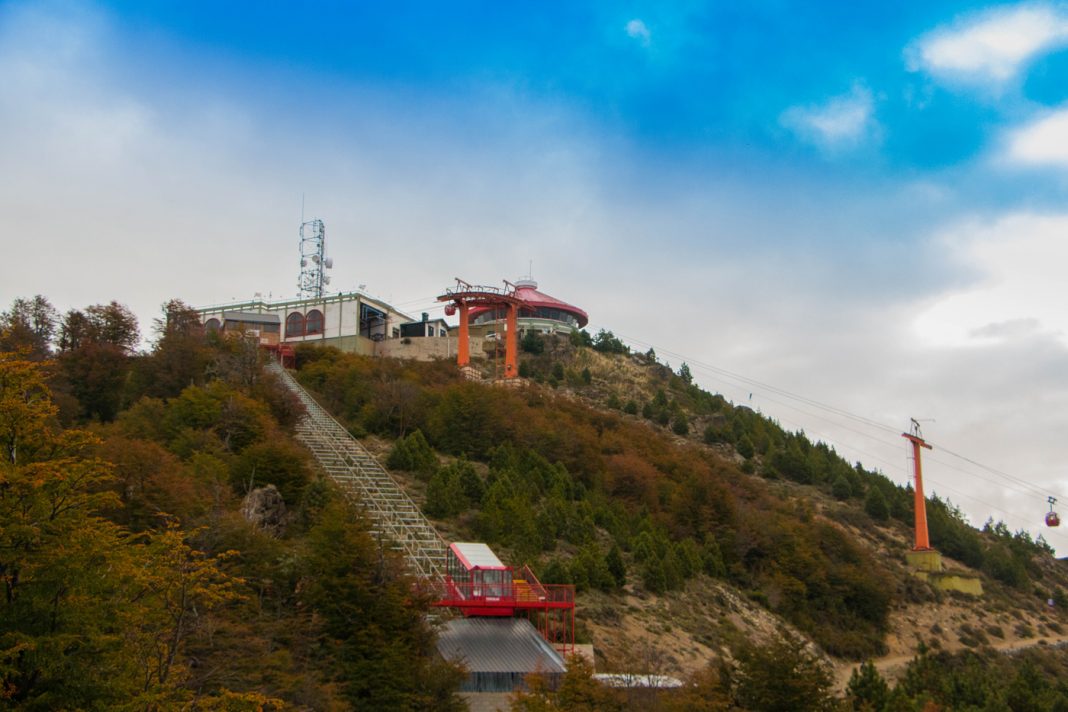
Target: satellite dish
(326,280)
(304,263)
(328,262)
(315,259)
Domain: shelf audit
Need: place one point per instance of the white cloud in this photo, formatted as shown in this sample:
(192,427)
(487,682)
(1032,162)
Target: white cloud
(636,29)
(1041,142)
(842,122)
(990,46)
(1021,291)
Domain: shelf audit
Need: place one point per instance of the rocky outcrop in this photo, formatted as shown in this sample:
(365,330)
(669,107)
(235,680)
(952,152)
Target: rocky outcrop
(264,508)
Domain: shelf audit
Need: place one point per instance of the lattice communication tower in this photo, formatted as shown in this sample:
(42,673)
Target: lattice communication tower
(313,260)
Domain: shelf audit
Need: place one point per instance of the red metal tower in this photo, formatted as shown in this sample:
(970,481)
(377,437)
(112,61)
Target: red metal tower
(922,541)
(463,297)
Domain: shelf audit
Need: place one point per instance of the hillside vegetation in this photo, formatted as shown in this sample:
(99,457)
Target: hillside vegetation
(166,544)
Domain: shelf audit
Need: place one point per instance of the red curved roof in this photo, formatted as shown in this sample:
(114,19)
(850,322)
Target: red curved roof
(527,292)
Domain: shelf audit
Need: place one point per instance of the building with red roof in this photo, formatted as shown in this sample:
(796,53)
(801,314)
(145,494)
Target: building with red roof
(539,311)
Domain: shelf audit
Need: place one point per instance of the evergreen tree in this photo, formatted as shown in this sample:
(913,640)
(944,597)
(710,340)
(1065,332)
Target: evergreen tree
(371,623)
(680,426)
(867,691)
(616,567)
(532,342)
(875,505)
(841,488)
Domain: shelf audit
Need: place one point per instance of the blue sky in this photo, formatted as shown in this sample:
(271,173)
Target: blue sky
(862,205)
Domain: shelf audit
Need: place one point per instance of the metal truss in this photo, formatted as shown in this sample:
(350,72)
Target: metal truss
(394,516)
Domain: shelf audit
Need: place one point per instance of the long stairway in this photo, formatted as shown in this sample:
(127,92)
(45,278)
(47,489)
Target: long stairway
(394,516)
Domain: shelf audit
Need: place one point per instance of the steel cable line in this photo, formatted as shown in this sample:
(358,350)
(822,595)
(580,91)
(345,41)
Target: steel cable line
(765,386)
(709,368)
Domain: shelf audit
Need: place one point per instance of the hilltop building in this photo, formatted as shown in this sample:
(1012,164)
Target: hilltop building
(351,321)
(538,311)
(356,323)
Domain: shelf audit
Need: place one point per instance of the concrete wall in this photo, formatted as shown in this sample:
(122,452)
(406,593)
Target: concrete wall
(426,349)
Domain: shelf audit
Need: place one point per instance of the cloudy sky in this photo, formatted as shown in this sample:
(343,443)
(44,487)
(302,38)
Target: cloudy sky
(843,216)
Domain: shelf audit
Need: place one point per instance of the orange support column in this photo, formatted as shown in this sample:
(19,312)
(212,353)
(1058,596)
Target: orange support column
(923,543)
(463,349)
(511,342)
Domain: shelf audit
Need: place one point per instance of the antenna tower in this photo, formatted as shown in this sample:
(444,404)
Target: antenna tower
(313,259)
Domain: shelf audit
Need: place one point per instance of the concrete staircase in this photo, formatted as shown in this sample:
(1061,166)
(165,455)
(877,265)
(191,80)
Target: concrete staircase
(394,516)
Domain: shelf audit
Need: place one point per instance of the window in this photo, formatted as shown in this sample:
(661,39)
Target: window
(314,322)
(294,325)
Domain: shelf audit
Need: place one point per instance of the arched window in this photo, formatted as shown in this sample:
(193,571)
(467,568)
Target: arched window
(314,323)
(294,325)
(212,325)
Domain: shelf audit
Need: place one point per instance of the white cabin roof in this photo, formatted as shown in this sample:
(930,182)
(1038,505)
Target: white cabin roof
(477,555)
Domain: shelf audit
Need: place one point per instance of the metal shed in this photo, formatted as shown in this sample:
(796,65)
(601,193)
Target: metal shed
(498,653)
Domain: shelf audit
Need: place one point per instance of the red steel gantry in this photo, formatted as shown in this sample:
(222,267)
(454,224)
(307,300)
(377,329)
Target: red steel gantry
(479,585)
(464,296)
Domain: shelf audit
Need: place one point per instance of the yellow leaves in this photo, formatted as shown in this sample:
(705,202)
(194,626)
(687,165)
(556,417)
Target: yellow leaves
(176,587)
(25,405)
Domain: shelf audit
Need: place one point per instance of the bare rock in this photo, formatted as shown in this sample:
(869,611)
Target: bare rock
(264,508)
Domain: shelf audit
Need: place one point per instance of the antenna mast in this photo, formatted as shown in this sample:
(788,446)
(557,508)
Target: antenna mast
(313,259)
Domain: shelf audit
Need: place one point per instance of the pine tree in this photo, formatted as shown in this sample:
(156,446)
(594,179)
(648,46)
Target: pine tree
(875,504)
(867,690)
(616,567)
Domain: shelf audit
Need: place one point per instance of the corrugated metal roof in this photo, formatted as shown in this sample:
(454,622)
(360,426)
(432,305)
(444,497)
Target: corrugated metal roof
(252,317)
(477,555)
(509,645)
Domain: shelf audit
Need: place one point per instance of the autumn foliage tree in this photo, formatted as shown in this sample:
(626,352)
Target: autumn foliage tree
(80,595)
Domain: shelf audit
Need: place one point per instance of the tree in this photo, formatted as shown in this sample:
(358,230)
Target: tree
(272,462)
(745,447)
(532,342)
(704,692)
(684,373)
(875,504)
(578,692)
(444,494)
(180,357)
(841,488)
(781,676)
(867,691)
(616,567)
(679,425)
(181,586)
(607,342)
(413,454)
(90,617)
(29,324)
(95,348)
(371,622)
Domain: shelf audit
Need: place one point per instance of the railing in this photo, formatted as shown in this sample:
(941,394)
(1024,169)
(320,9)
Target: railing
(394,516)
(517,594)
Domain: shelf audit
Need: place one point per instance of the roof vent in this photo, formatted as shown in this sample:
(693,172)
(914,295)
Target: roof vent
(526,284)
